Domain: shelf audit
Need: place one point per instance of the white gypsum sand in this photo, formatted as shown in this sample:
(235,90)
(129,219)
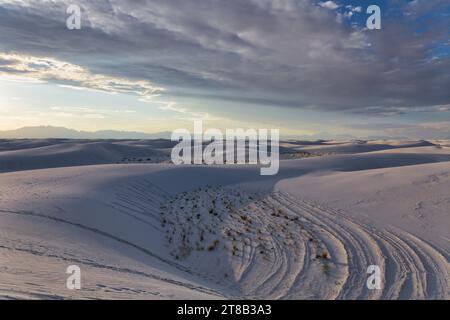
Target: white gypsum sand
(159,231)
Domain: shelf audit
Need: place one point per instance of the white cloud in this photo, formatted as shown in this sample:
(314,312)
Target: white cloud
(442,125)
(444,108)
(329,5)
(187,114)
(38,69)
(88,112)
(351,10)
(278,53)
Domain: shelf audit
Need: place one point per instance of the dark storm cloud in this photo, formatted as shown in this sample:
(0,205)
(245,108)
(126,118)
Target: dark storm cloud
(290,53)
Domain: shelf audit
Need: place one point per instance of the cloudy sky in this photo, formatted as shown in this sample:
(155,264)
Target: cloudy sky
(304,66)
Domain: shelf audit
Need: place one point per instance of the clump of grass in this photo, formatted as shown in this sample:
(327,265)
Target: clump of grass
(213,245)
(234,250)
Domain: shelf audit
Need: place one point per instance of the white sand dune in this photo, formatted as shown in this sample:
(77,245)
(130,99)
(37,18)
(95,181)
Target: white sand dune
(157,231)
(362,146)
(54,153)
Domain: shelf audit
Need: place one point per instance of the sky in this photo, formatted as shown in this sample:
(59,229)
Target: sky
(306,67)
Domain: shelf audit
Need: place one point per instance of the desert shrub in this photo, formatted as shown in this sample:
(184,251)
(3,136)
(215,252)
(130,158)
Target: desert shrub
(213,245)
(234,250)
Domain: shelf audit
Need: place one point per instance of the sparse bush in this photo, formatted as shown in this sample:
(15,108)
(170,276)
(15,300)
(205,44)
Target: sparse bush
(213,245)
(234,250)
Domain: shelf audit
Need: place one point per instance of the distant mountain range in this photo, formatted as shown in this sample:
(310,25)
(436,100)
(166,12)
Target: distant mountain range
(44,132)
(319,136)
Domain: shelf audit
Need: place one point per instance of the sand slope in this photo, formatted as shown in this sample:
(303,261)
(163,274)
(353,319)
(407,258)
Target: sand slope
(53,153)
(156,231)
